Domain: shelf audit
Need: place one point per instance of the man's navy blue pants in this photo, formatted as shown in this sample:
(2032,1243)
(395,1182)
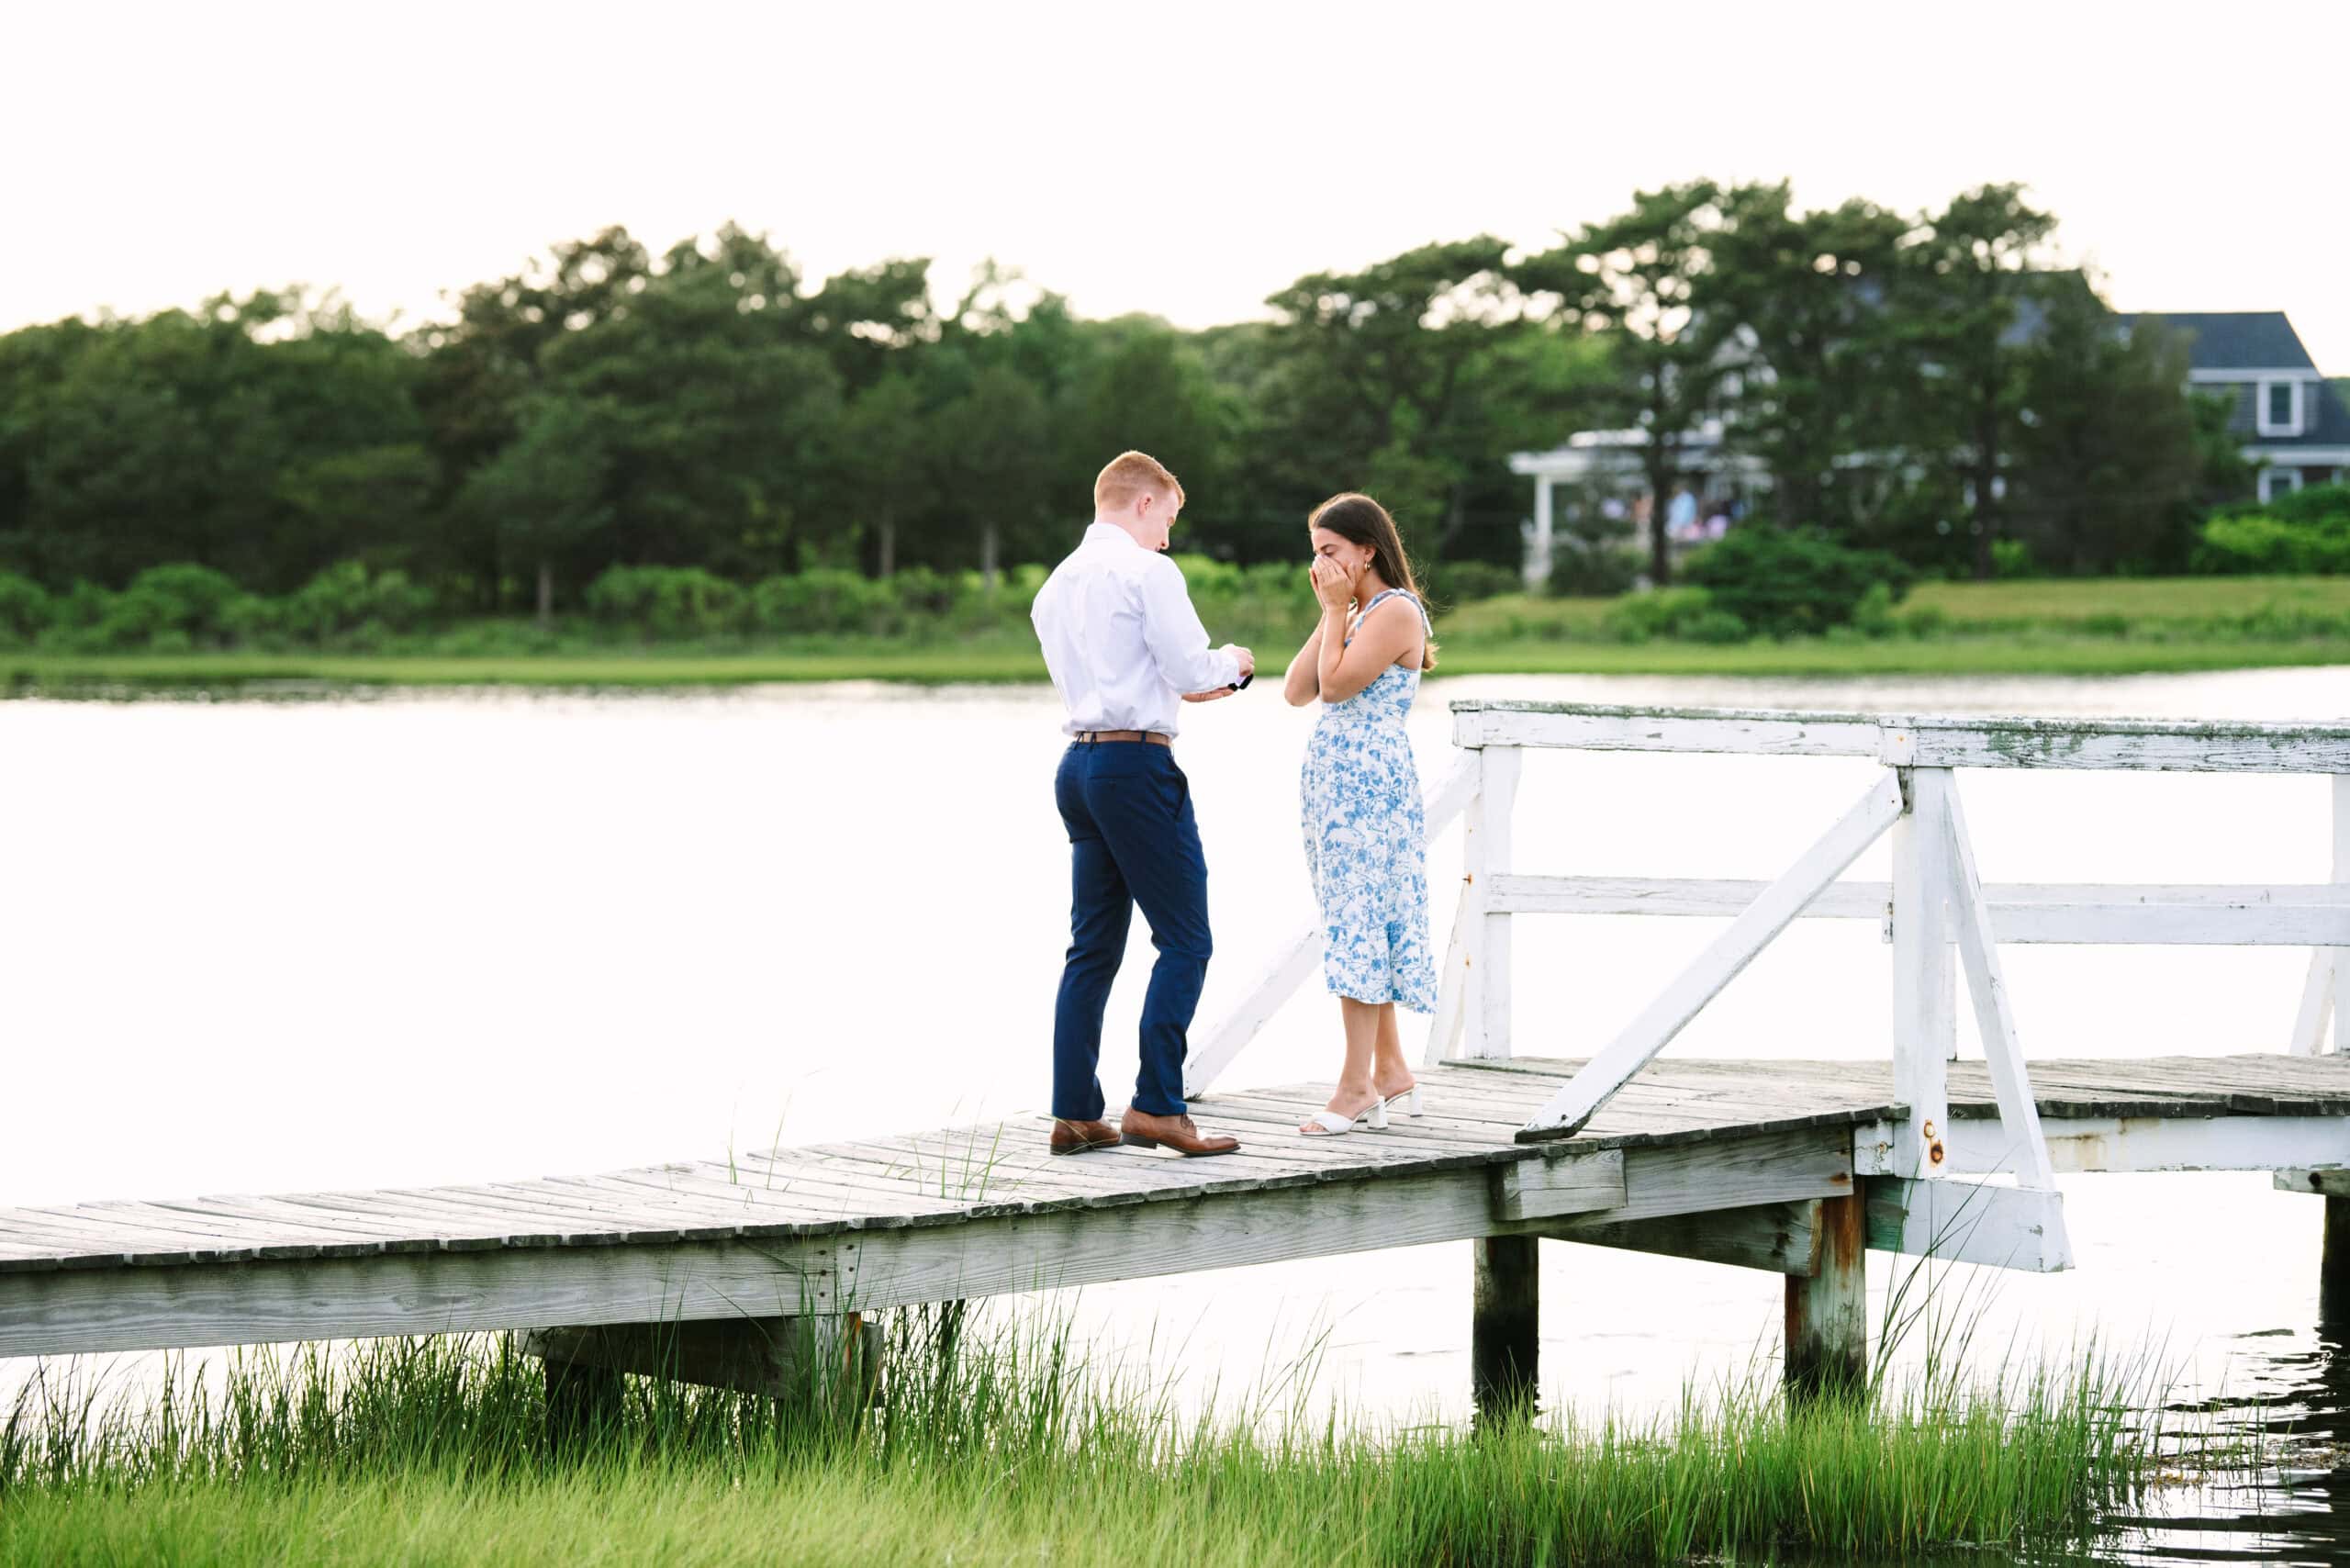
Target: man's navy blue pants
(1131,841)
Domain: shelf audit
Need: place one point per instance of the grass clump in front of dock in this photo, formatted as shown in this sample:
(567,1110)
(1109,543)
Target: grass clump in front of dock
(1013,1448)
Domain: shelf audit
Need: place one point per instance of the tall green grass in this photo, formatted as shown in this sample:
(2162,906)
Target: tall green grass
(1008,1445)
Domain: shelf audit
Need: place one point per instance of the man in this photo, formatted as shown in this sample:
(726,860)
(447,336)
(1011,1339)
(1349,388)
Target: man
(1124,645)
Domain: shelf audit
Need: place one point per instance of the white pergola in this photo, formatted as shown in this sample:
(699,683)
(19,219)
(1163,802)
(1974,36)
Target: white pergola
(1614,453)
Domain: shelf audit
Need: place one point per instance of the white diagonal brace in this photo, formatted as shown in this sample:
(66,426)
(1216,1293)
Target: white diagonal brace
(2316,1011)
(1720,963)
(1994,1018)
(1458,984)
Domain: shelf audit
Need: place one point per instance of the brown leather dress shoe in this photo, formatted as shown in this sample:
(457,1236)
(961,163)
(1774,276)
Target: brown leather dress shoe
(1178,1133)
(1076,1137)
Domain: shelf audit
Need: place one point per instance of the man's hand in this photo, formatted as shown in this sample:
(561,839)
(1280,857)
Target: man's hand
(1248,662)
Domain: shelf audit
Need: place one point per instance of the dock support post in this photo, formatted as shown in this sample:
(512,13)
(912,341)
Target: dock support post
(2333,1266)
(2331,1183)
(584,1400)
(1827,1318)
(1504,1328)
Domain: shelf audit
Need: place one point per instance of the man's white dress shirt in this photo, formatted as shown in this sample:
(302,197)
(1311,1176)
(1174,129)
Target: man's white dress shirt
(1121,637)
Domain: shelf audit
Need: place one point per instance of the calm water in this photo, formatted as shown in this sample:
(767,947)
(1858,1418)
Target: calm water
(407,939)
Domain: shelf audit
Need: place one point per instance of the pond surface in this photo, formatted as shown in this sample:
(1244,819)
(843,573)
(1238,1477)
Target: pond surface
(413,938)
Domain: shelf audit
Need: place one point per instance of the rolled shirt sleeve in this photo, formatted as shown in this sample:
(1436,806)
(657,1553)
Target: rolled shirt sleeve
(1178,642)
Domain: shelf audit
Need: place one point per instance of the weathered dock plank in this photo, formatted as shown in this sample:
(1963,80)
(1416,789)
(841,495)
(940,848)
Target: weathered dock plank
(1719,1159)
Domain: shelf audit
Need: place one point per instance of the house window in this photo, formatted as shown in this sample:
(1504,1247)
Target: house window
(2276,482)
(2280,408)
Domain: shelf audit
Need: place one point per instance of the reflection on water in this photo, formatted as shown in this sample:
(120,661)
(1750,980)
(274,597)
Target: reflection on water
(2290,1391)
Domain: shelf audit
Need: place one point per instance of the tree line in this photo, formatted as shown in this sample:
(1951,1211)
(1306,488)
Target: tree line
(1923,384)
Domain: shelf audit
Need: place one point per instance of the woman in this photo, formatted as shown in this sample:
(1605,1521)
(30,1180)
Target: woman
(1365,833)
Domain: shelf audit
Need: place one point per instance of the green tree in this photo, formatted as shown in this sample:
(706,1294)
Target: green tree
(1810,291)
(1396,379)
(991,465)
(1141,385)
(1967,299)
(868,318)
(2114,460)
(722,415)
(543,499)
(1648,283)
(209,438)
(883,457)
(480,373)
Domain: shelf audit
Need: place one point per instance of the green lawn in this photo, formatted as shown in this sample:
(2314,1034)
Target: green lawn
(2114,627)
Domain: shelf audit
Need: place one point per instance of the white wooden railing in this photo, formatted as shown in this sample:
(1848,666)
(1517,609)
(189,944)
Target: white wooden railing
(1936,901)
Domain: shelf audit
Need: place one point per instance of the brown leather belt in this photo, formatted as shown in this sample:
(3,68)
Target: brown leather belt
(1152,738)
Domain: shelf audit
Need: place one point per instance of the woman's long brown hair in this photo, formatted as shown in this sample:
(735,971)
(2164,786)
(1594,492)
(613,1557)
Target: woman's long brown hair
(1359,520)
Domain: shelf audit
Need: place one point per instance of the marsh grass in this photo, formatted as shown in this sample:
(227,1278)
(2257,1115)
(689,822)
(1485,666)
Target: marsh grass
(996,1439)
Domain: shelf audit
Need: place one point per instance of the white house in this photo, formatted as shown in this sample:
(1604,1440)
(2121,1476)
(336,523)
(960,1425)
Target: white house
(2294,428)
(2293,423)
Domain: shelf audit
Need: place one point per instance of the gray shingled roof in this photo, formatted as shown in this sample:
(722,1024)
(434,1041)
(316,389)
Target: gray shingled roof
(2235,340)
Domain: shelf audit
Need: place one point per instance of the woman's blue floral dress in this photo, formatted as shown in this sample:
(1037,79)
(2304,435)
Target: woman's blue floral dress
(1366,841)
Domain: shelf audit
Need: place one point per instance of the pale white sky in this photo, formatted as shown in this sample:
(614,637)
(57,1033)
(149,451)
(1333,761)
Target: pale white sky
(1186,160)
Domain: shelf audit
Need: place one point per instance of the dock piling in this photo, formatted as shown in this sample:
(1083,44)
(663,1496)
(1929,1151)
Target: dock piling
(1827,1323)
(1505,1330)
(2334,1265)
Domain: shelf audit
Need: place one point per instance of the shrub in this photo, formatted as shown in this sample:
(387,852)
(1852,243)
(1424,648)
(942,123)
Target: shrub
(2271,542)
(1872,613)
(24,608)
(1784,582)
(169,608)
(336,605)
(496,639)
(1688,613)
(666,602)
(2317,504)
(1713,626)
(923,596)
(1924,621)
(250,620)
(1596,569)
(1205,575)
(821,601)
(75,618)
(1465,582)
(2012,558)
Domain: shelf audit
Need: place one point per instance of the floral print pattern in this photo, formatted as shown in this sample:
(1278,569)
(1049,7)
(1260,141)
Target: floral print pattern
(1366,841)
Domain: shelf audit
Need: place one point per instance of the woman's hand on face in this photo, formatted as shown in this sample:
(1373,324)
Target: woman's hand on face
(1333,584)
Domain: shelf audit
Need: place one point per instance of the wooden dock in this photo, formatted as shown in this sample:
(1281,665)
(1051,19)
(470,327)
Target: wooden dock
(1799,1167)
(1725,1160)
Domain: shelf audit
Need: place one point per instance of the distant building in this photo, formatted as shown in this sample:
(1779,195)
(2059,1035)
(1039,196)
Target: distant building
(1596,462)
(2293,424)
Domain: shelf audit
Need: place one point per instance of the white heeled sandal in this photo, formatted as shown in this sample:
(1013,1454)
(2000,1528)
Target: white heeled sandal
(1331,1123)
(1407,1104)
